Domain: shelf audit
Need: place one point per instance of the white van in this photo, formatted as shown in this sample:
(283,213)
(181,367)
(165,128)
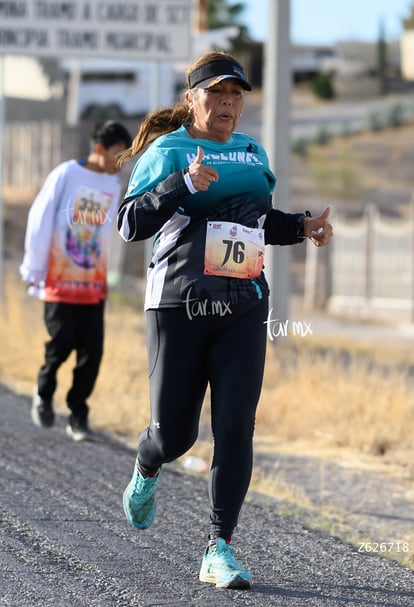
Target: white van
(123,88)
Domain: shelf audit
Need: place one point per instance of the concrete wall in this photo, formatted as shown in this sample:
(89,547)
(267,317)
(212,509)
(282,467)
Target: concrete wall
(354,87)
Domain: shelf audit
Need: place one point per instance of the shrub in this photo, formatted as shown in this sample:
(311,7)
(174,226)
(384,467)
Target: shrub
(300,146)
(395,116)
(322,136)
(375,123)
(322,86)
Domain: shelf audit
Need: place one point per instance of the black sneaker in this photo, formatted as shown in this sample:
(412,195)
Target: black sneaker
(42,411)
(78,429)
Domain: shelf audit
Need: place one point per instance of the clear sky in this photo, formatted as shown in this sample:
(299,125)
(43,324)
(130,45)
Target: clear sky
(330,21)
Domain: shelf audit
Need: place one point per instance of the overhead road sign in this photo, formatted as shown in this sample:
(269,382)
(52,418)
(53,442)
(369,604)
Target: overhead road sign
(121,29)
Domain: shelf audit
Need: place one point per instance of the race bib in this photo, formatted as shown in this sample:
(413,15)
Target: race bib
(233,250)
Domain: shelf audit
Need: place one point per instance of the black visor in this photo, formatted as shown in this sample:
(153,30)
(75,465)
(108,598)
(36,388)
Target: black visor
(214,72)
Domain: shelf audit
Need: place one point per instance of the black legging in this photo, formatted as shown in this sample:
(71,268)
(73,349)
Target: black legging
(227,352)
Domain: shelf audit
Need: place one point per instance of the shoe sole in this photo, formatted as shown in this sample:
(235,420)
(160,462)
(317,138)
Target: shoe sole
(149,520)
(78,437)
(235,583)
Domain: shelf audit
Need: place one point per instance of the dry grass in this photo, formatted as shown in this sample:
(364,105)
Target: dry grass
(351,172)
(342,397)
(336,400)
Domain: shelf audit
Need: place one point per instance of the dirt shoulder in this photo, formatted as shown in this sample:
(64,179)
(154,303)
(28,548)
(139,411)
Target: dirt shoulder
(360,500)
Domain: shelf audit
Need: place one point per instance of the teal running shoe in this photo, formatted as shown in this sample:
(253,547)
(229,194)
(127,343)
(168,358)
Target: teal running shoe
(220,567)
(139,499)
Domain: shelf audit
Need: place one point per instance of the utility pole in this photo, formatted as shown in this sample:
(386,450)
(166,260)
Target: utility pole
(2,152)
(72,99)
(201,16)
(277,142)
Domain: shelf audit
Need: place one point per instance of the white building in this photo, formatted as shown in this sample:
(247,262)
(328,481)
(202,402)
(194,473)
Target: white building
(25,79)
(407,54)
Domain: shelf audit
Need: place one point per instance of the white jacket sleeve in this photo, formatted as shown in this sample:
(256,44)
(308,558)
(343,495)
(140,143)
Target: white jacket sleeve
(40,227)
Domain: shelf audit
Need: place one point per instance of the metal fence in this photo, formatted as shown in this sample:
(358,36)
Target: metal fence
(370,268)
(32,149)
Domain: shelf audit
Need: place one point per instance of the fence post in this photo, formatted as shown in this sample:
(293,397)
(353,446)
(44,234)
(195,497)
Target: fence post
(311,266)
(371,214)
(411,254)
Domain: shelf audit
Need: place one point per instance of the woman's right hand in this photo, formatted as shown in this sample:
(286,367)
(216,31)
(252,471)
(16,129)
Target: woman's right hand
(201,174)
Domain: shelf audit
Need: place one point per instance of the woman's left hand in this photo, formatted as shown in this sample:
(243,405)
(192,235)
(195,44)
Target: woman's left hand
(318,229)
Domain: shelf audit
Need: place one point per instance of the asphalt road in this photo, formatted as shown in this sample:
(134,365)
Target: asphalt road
(64,541)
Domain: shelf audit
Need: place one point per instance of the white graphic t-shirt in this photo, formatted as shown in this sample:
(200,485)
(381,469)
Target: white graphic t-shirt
(67,236)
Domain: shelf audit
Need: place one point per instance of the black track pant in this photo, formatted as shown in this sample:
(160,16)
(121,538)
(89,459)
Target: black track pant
(73,327)
(185,356)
